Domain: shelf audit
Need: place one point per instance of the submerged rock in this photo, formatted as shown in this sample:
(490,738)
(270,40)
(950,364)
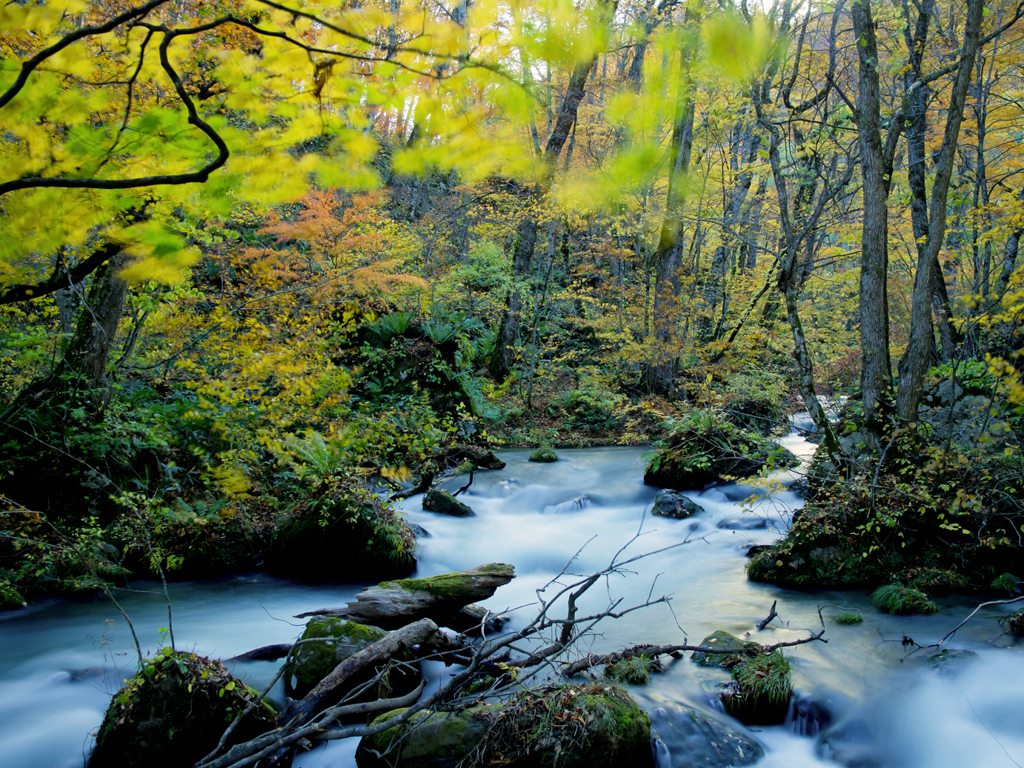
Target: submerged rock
(544,455)
(444,503)
(174,712)
(673,504)
(571,726)
(950,660)
(686,738)
(726,642)
(315,661)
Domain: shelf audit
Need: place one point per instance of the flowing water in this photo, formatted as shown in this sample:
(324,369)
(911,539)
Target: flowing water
(60,661)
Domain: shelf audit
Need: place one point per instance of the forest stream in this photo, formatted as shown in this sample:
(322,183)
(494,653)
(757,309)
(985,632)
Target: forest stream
(887,706)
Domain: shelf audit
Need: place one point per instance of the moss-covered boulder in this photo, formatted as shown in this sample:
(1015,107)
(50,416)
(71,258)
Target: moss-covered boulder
(705,451)
(724,641)
(761,688)
(673,504)
(173,713)
(572,726)
(345,533)
(691,739)
(314,661)
(480,457)
(761,414)
(544,455)
(442,502)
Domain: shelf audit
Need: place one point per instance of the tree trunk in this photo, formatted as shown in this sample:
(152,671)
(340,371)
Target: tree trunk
(876,366)
(915,360)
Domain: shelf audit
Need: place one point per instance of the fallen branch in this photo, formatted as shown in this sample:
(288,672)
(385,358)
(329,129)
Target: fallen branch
(771,615)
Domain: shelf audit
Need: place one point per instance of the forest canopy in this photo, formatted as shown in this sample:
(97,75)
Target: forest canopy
(256,248)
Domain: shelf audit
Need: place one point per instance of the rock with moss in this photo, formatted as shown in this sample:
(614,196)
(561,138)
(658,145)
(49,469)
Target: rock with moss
(686,738)
(673,504)
(706,451)
(950,660)
(313,661)
(760,690)
(442,502)
(480,457)
(724,641)
(572,726)
(393,604)
(636,670)
(173,713)
(344,533)
(544,455)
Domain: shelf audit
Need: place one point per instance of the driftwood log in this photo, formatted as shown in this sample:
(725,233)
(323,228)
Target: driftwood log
(393,604)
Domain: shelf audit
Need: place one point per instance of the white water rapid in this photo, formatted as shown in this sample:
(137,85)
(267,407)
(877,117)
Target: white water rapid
(61,661)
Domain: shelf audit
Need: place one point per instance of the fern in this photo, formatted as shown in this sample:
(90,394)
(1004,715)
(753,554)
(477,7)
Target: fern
(319,459)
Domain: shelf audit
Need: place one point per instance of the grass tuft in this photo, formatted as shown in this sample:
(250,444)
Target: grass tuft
(900,600)
(848,617)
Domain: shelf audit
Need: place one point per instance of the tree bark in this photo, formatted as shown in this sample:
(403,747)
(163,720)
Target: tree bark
(915,360)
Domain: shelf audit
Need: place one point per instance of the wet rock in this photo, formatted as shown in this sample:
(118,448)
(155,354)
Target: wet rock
(757,549)
(950,660)
(686,738)
(313,661)
(725,641)
(573,505)
(571,726)
(481,457)
(173,713)
(760,690)
(419,531)
(809,717)
(673,504)
(544,455)
(444,503)
(744,524)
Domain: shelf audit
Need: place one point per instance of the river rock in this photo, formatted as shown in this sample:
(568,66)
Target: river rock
(545,455)
(744,524)
(950,660)
(571,726)
(481,457)
(173,713)
(673,504)
(726,642)
(312,662)
(700,455)
(686,738)
(444,503)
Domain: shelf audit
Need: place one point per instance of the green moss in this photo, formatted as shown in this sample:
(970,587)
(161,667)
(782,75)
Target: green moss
(726,642)
(901,600)
(635,670)
(544,455)
(456,585)
(848,617)
(312,662)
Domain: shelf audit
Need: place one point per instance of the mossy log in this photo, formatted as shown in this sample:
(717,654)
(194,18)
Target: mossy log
(392,604)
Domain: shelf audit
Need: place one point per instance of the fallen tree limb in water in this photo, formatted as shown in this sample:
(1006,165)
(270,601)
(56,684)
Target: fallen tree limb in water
(304,722)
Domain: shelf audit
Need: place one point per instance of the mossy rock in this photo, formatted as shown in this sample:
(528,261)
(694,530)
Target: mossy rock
(950,660)
(345,534)
(315,661)
(725,641)
(442,502)
(760,690)
(674,505)
(571,726)
(480,457)
(544,455)
(706,453)
(174,712)
(10,597)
